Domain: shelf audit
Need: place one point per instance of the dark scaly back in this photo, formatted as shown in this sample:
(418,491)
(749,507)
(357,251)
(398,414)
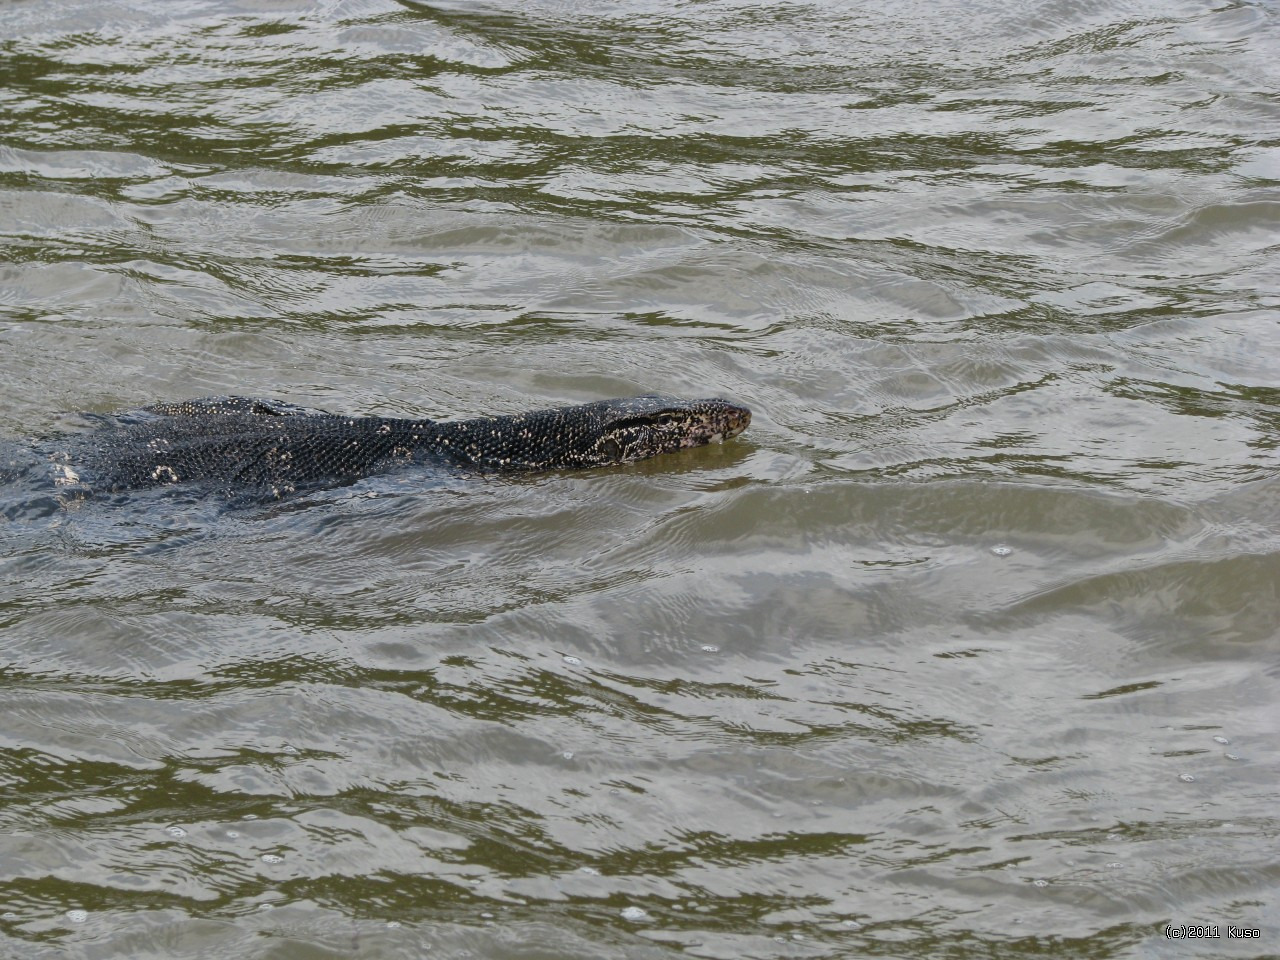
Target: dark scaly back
(264,447)
(275,454)
(248,406)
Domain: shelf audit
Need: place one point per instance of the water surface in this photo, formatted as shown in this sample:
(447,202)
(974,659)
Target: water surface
(967,647)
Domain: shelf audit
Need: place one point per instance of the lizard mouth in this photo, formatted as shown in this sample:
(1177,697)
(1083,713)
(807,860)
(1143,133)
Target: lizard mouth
(721,421)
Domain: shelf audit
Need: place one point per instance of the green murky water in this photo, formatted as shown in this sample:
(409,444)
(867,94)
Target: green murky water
(967,648)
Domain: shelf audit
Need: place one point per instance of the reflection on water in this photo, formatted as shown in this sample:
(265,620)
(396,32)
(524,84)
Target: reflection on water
(967,645)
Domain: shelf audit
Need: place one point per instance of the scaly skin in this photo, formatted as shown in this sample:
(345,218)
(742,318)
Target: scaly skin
(250,445)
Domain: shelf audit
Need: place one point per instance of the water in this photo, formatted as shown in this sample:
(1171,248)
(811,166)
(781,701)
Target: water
(967,647)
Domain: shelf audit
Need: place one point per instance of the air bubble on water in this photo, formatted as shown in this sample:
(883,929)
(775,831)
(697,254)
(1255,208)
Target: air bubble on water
(852,925)
(1186,778)
(1000,550)
(77,916)
(272,858)
(591,871)
(709,648)
(634,914)
(568,754)
(1113,837)
(393,924)
(290,748)
(250,816)
(8,915)
(572,660)
(233,834)
(1115,865)
(1222,740)
(486,916)
(1040,883)
(1232,756)
(175,832)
